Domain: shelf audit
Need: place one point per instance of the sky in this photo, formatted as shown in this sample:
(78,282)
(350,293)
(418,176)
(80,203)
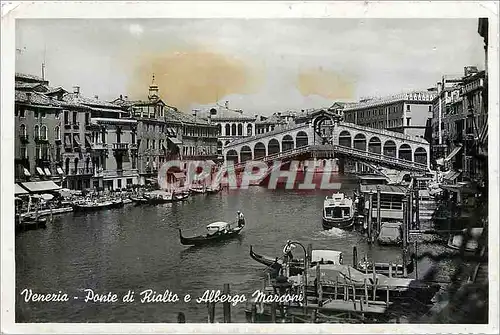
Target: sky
(259,65)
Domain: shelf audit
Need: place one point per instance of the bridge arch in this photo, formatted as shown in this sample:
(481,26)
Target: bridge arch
(405,152)
(273,147)
(259,150)
(345,139)
(360,142)
(390,149)
(301,139)
(420,155)
(232,156)
(375,145)
(287,143)
(245,154)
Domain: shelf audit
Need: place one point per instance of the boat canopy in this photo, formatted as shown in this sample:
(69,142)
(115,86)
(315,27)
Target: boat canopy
(326,255)
(215,226)
(384,189)
(41,186)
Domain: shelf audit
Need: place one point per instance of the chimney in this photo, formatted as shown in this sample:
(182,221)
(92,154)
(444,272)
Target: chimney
(76,90)
(279,113)
(96,97)
(126,97)
(121,97)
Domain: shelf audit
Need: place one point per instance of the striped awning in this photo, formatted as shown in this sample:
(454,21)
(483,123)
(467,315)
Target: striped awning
(41,186)
(26,172)
(47,172)
(59,170)
(40,171)
(453,154)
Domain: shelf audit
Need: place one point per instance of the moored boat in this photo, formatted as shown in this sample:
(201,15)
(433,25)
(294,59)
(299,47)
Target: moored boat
(158,197)
(334,278)
(180,197)
(338,212)
(198,189)
(216,231)
(117,203)
(91,205)
(467,241)
(391,233)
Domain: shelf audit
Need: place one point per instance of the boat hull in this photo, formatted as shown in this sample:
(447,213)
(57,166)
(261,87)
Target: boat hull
(345,224)
(90,208)
(208,239)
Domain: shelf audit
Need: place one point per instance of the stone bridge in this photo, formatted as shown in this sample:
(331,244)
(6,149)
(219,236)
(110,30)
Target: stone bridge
(341,139)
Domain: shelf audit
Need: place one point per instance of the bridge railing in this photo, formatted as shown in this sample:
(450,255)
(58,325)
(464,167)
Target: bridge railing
(386,133)
(381,157)
(269,133)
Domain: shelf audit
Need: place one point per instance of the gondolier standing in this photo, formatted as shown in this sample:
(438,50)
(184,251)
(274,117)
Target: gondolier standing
(241,219)
(287,250)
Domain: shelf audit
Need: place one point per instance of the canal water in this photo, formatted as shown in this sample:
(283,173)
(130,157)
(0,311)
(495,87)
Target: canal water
(138,248)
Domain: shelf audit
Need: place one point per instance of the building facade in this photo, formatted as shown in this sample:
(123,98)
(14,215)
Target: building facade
(407,113)
(38,149)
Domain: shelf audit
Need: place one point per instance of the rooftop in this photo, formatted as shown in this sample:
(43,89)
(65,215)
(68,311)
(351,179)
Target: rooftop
(29,78)
(416,96)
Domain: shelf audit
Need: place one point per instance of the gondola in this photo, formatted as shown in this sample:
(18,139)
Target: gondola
(217,231)
(139,200)
(89,206)
(213,190)
(117,203)
(180,197)
(297,265)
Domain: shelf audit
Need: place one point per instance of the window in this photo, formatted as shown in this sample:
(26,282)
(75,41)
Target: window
(408,121)
(23,152)
(75,115)
(87,119)
(21,112)
(22,130)
(57,132)
(43,134)
(153,144)
(408,108)
(43,114)
(57,114)
(66,117)
(133,137)
(58,153)
(129,181)
(36,113)
(36,131)
(147,143)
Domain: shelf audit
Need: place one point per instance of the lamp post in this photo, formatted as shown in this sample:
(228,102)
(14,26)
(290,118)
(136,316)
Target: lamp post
(289,246)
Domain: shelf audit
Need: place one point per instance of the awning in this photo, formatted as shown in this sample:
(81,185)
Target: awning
(451,175)
(19,190)
(26,172)
(59,170)
(41,186)
(179,175)
(76,138)
(171,132)
(40,171)
(174,140)
(453,154)
(47,172)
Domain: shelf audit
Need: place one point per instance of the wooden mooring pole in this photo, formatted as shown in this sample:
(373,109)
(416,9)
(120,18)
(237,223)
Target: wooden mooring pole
(370,217)
(226,305)
(379,215)
(411,223)
(405,229)
(417,209)
(354,256)
(415,259)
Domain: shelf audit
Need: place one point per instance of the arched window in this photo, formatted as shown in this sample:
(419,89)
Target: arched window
(37,131)
(22,130)
(43,134)
(57,132)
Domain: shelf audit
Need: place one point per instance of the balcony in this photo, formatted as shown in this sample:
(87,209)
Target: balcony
(133,146)
(81,172)
(99,146)
(120,146)
(24,138)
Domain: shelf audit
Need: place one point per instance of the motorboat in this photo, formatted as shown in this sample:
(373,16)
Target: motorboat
(391,233)
(338,212)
